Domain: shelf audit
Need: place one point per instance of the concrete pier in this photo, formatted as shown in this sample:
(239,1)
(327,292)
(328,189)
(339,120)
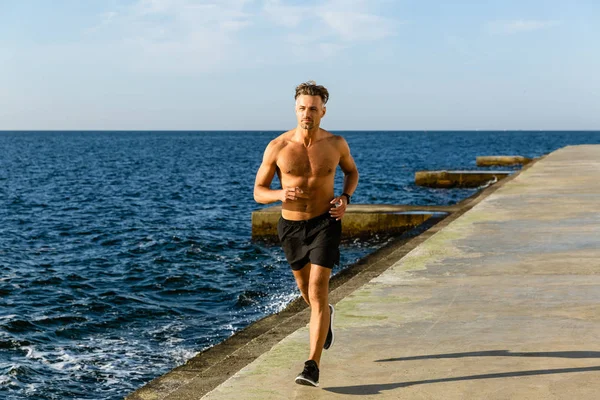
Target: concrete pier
(360,221)
(497,301)
(460,179)
(491,161)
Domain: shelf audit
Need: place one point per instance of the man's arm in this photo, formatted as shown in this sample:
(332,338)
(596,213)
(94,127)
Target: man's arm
(350,180)
(349,168)
(262,186)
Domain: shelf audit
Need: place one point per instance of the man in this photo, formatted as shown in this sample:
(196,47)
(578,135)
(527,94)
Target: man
(305,160)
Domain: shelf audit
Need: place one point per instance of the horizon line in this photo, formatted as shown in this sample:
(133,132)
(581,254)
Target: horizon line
(285,130)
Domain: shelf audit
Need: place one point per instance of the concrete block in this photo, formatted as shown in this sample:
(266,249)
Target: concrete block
(488,161)
(461,179)
(360,221)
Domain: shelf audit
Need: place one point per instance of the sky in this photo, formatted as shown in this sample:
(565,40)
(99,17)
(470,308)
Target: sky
(234,64)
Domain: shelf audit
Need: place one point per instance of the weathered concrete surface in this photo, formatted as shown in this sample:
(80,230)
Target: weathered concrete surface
(489,161)
(463,179)
(361,220)
(502,303)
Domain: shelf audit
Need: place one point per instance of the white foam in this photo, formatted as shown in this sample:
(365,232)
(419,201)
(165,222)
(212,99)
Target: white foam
(8,277)
(278,301)
(30,352)
(31,389)
(143,245)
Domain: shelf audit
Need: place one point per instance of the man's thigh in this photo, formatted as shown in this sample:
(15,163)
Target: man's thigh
(319,280)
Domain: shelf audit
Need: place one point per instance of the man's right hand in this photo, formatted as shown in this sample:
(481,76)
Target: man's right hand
(291,194)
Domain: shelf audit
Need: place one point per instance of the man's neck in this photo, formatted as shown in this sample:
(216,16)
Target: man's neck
(306,136)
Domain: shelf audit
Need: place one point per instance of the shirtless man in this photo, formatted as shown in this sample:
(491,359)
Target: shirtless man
(305,160)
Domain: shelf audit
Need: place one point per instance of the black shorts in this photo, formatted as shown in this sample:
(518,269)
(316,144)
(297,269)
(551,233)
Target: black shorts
(316,240)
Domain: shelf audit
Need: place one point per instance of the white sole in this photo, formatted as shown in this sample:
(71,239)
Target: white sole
(306,382)
(332,310)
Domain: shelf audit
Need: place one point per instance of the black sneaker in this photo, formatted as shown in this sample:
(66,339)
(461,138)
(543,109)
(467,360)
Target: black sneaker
(330,336)
(310,375)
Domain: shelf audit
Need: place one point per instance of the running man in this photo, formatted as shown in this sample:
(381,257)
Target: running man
(305,160)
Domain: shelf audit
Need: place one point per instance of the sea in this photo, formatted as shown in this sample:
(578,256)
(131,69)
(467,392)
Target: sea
(123,254)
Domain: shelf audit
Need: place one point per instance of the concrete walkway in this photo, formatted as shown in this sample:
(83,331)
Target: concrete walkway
(502,303)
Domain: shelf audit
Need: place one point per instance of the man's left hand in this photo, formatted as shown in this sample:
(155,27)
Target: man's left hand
(339,210)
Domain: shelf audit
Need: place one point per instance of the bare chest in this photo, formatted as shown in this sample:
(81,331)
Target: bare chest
(311,162)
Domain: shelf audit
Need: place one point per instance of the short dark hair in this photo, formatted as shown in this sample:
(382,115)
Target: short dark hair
(311,88)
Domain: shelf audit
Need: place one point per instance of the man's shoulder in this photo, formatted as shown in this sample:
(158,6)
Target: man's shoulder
(338,143)
(281,140)
(333,138)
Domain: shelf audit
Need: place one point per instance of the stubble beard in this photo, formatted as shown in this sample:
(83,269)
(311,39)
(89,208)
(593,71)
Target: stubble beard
(307,125)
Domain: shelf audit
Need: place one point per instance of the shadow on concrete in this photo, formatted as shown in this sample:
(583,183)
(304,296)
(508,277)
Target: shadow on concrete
(377,388)
(502,353)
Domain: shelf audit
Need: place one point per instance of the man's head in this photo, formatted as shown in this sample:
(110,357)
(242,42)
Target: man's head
(311,88)
(310,104)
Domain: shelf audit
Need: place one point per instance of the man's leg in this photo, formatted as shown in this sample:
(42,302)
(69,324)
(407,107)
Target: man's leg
(318,294)
(313,282)
(302,279)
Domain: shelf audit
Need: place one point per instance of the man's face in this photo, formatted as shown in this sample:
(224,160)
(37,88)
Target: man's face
(309,111)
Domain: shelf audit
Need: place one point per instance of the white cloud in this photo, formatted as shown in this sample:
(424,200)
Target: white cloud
(108,16)
(328,27)
(286,15)
(346,21)
(354,26)
(330,49)
(518,26)
(201,35)
(175,35)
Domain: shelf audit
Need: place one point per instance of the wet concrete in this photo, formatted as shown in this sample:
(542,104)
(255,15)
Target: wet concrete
(500,303)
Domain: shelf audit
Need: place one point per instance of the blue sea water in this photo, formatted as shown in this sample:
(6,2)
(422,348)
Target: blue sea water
(122,254)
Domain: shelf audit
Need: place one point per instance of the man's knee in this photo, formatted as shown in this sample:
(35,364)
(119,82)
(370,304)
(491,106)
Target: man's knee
(317,297)
(318,286)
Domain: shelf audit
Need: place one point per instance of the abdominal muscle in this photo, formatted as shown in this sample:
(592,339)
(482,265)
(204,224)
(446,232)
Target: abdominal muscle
(318,202)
